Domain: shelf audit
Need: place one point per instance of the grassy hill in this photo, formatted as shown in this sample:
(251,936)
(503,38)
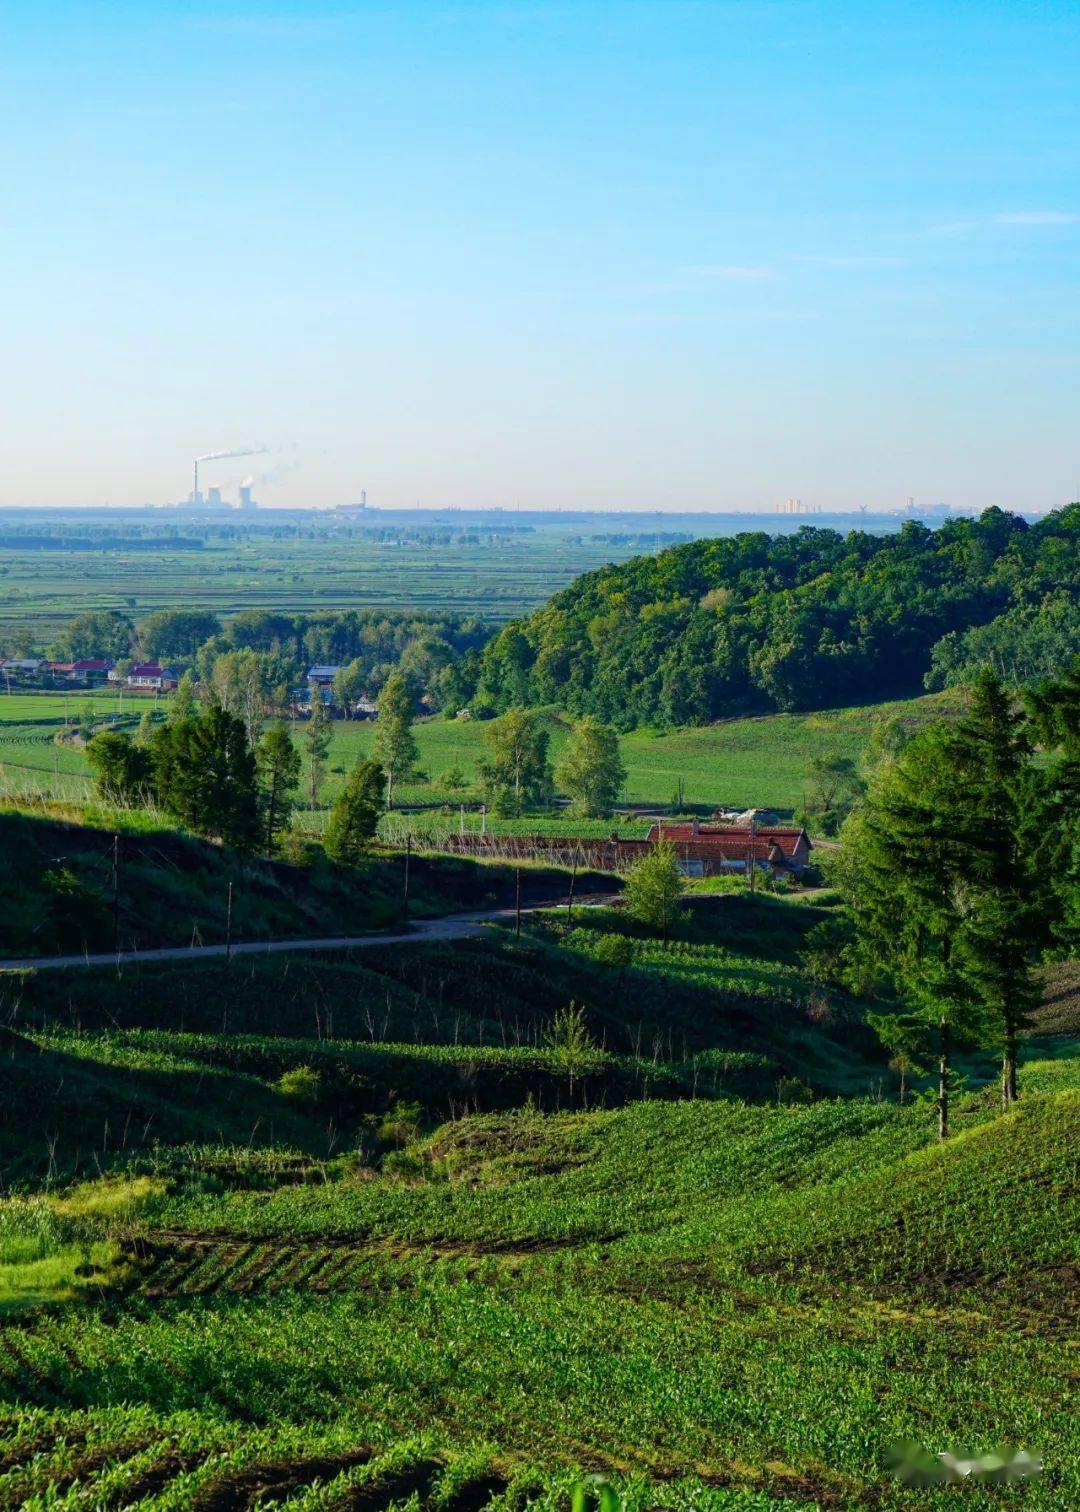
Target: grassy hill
(373,1232)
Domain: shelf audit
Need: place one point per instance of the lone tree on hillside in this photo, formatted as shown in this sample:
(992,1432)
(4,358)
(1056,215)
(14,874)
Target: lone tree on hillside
(590,769)
(654,889)
(279,764)
(516,774)
(354,817)
(572,1047)
(1008,866)
(394,746)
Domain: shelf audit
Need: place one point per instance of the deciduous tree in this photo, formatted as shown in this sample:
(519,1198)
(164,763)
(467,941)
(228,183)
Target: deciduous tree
(654,889)
(316,745)
(591,769)
(516,773)
(394,746)
(122,769)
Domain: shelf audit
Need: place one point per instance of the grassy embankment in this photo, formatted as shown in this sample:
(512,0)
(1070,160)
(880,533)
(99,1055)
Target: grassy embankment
(57,888)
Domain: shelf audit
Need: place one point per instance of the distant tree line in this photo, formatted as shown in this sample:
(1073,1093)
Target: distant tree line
(758,623)
(440,653)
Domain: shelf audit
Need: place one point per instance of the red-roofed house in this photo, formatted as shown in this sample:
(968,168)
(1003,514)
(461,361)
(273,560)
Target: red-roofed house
(92,667)
(150,675)
(706,849)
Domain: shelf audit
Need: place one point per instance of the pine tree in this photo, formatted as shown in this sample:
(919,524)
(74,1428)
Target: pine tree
(902,860)
(354,817)
(1008,893)
(205,774)
(279,777)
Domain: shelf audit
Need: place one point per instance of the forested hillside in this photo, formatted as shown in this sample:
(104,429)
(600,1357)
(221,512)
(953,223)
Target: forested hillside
(753,622)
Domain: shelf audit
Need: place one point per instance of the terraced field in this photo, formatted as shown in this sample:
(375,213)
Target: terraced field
(434,1330)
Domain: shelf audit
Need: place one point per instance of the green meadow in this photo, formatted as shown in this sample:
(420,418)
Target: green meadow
(741,762)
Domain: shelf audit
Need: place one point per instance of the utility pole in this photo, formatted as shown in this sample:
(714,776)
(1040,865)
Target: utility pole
(570,899)
(753,853)
(228,928)
(405,890)
(116,891)
(517,904)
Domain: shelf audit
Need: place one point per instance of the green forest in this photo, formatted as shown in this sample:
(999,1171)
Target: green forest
(717,628)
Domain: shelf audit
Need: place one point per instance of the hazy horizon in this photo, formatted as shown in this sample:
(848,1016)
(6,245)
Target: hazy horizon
(675,257)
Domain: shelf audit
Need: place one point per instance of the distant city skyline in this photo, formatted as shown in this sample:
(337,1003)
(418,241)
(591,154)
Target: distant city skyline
(621,255)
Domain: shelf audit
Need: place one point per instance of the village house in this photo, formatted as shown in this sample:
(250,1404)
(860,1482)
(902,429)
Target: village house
(706,850)
(322,677)
(21,666)
(702,850)
(87,669)
(151,677)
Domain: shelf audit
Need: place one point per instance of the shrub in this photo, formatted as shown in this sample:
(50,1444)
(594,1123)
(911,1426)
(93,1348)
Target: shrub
(303,1085)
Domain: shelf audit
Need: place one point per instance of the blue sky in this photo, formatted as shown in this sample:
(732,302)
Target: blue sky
(610,253)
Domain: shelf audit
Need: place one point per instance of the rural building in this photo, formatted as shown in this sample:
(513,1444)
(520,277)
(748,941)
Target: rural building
(87,669)
(22,666)
(701,850)
(92,668)
(709,849)
(322,677)
(152,677)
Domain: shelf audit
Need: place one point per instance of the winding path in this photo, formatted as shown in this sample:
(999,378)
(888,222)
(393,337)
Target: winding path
(450,927)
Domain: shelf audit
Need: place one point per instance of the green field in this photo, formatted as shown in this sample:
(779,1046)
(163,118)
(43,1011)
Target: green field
(496,577)
(742,762)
